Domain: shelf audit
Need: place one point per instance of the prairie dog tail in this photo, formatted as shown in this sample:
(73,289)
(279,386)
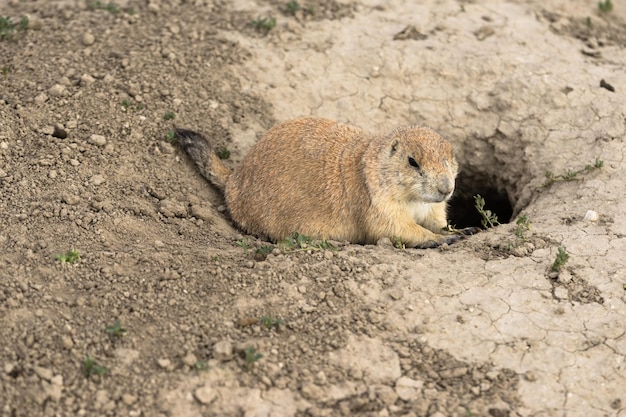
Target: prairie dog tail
(202,153)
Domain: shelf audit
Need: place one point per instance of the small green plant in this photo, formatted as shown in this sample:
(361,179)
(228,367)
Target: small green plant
(90,367)
(251,356)
(561,259)
(264,249)
(264,24)
(571,175)
(109,7)
(398,243)
(292,7)
(522,226)
(125,103)
(5,71)
(201,366)
(8,28)
(170,136)
(223,153)
(605,6)
(243,243)
(271,322)
(115,331)
(298,241)
(588,21)
(71,256)
(169,115)
(489,219)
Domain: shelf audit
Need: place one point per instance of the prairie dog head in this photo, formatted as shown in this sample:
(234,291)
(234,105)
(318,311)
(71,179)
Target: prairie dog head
(424,164)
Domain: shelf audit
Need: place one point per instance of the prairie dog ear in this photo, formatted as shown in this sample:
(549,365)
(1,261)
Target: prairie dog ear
(394,147)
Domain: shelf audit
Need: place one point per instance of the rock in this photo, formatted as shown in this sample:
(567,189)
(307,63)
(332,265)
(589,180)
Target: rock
(164,363)
(190,359)
(88,39)
(408,389)
(70,199)
(97,140)
(98,179)
(59,131)
(41,98)
(67,342)
(171,208)
(43,373)
(129,399)
(223,350)
(205,394)
(87,79)
(57,90)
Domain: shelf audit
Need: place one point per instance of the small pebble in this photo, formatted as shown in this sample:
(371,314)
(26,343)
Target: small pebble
(57,90)
(43,373)
(97,140)
(59,131)
(41,98)
(98,179)
(164,363)
(591,216)
(205,394)
(223,350)
(86,79)
(88,39)
(190,359)
(70,199)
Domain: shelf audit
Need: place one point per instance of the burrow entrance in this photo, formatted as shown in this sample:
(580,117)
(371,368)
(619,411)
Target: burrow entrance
(462,210)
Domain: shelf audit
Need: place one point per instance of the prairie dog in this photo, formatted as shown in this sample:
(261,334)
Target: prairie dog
(331,180)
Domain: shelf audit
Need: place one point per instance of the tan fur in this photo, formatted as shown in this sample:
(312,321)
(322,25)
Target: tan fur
(329,180)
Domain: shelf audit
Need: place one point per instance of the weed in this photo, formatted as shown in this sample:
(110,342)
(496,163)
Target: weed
(523,226)
(264,249)
(223,153)
(252,356)
(398,243)
(125,103)
(298,241)
(109,7)
(243,244)
(605,6)
(571,175)
(8,28)
(270,321)
(5,71)
(588,21)
(201,366)
(292,7)
(264,24)
(215,259)
(70,256)
(170,136)
(169,115)
(140,106)
(115,331)
(90,367)
(489,219)
(561,259)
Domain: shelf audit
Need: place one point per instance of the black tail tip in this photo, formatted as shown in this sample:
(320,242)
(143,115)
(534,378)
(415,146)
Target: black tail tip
(186,137)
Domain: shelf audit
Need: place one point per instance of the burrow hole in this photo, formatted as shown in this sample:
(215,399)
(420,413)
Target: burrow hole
(462,210)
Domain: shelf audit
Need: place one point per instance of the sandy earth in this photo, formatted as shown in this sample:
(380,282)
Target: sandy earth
(479,328)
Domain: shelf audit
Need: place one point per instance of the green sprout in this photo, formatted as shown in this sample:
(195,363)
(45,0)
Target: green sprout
(115,331)
(571,175)
(8,28)
(90,367)
(271,321)
(170,136)
(223,153)
(489,219)
(71,256)
(523,226)
(561,259)
(169,115)
(605,6)
(251,356)
(264,24)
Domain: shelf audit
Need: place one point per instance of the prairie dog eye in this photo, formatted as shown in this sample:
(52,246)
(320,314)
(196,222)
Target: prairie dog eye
(413,162)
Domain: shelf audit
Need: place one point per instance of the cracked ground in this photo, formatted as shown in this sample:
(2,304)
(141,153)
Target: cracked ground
(487,326)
